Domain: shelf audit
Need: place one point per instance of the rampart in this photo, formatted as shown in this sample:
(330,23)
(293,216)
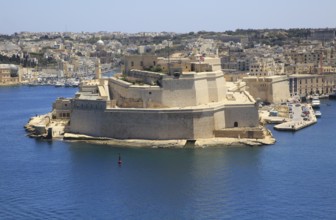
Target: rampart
(159,124)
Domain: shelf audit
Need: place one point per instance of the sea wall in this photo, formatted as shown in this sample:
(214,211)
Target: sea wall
(159,124)
(135,124)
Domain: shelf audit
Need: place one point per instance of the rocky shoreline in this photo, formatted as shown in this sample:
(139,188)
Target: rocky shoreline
(44,127)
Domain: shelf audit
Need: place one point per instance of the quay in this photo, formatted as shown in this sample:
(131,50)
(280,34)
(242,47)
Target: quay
(301,117)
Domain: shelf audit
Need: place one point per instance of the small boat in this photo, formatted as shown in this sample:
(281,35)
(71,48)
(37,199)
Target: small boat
(75,83)
(315,102)
(59,84)
(318,114)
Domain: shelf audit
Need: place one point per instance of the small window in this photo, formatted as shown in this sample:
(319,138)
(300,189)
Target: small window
(235,124)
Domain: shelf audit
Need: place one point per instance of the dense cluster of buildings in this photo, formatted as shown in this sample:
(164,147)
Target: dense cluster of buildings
(9,74)
(301,66)
(172,86)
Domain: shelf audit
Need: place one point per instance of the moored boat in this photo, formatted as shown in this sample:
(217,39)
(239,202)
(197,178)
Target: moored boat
(315,102)
(318,114)
(59,84)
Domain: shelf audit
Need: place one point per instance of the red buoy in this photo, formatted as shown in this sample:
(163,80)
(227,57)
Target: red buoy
(119,160)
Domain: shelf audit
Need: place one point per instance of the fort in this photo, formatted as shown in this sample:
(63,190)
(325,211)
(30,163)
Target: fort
(154,106)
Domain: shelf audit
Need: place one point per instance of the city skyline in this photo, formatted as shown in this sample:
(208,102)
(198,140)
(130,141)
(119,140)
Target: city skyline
(172,16)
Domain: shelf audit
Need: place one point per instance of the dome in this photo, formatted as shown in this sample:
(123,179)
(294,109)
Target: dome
(13,67)
(100,43)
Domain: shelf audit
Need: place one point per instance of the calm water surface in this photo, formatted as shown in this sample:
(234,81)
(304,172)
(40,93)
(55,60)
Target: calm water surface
(293,179)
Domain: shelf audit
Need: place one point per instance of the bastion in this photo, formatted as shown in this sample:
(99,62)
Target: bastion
(191,107)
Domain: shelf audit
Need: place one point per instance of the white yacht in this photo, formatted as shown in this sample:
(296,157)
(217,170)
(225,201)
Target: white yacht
(315,102)
(318,114)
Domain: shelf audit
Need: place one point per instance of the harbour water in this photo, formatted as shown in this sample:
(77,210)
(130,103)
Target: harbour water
(293,179)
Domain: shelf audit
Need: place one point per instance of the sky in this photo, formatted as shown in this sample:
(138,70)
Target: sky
(181,16)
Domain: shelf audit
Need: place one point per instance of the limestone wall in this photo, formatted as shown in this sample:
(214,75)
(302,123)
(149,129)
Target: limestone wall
(128,95)
(179,92)
(216,87)
(189,89)
(193,89)
(202,91)
(240,133)
(91,118)
(148,77)
(268,89)
(280,91)
(241,116)
(219,118)
(133,124)
(203,123)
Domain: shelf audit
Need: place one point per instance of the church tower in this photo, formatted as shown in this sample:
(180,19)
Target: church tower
(98,69)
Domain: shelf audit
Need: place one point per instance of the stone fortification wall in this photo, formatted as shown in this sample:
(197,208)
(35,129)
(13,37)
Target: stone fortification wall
(89,88)
(151,78)
(128,95)
(280,91)
(179,92)
(268,89)
(189,89)
(240,133)
(203,123)
(216,86)
(192,89)
(142,124)
(91,118)
(243,115)
(88,105)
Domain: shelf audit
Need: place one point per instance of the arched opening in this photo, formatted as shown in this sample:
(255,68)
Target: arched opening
(235,124)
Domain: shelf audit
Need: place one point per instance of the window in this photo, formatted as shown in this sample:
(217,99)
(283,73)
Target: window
(132,63)
(235,124)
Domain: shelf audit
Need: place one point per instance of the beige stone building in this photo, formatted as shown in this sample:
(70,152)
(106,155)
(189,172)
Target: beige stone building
(272,89)
(265,67)
(172,65)
(308,84)
(61,109)
(9,74)
(139,62)
(301,68)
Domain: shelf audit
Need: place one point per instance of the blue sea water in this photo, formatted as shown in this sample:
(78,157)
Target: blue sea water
(293,179)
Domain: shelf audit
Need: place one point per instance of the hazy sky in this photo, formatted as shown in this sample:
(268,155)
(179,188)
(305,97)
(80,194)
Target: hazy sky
(156,15)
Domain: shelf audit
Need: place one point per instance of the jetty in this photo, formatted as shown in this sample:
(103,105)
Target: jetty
(301,117)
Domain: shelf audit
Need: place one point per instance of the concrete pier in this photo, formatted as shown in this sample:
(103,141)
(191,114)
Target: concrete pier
(301,117)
